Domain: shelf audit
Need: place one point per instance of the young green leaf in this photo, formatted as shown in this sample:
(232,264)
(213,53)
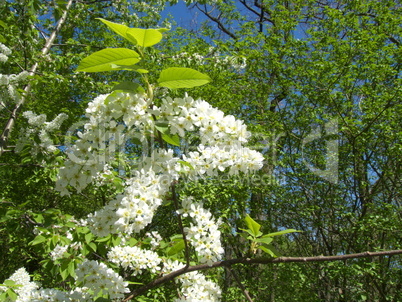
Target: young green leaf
(266,240)
(145,37)
(119,29)
(176,77)
(280,233)
(253,226)
(13,295)
(251,232)
(38,239)
(184,163)
(171,139)
(162,128)
(267,250)
(176,248)
(133,67)
(103,60)
(162,30)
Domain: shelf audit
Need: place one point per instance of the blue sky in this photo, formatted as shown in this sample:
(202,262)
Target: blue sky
(184,16)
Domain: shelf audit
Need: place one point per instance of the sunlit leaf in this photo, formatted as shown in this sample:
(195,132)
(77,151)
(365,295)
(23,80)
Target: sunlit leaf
(171,139)
(145,37)
(105,59)
(253,226)
(119,29)
(267,250)
(280,233)
(176,77)
(176,248)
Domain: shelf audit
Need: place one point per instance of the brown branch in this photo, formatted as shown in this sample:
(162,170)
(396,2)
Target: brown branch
(228,263)
(217,21)
(238,281)
(11,121)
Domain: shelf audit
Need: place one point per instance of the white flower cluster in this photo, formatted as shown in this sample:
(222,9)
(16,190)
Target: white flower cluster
(28,291)
(40,128)
(100,279)
(133,210)
(8,83)
(54,295)
(59,250)
(203,233)
(155,239)
(112,121)
(238,63)
(22,278)
(4,53)
(186,58)
(186,114)
(195,287)
(209,161)
(102,177)
(116,119)
(135,258)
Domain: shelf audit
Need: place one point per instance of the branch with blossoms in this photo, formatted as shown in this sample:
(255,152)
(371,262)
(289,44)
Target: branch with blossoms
(249,261)
(158,128)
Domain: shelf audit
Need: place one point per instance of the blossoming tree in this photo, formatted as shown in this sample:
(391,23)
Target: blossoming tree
(177,141)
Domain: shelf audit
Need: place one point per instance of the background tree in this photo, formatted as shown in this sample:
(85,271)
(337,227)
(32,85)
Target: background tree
(310,63)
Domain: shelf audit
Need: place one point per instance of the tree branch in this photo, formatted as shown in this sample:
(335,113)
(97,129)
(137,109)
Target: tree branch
(217,21)
(238,281)
(11,121)
(229,263)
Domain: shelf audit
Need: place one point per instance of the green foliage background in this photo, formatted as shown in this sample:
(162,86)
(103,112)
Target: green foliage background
(308,62)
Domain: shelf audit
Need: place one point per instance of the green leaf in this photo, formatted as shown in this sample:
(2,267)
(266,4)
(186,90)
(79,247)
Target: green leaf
(37,240)
(177,236)
(171,139)
(129,86)
(102,299)
(71,268)
(8,283)
(253,226)
(176,77)
(266,240)
(184,163)
(104,59)
(132,241)
(88,237)
(266,250)
(116,240)
(103,239)
(4,25)
(129,67)
(248,231)
(281,233)
(145,37)
(162,127)
(119,29)
(13,296)
(136,283)
(176,248)
(162,30)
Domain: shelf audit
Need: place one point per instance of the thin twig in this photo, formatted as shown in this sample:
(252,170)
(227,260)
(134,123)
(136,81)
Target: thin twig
(238,281)
(11,121)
